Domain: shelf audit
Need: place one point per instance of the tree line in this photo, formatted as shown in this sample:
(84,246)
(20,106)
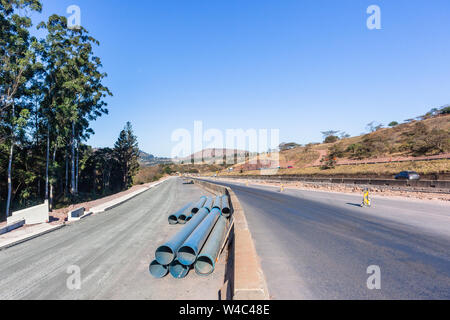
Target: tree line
(51,89)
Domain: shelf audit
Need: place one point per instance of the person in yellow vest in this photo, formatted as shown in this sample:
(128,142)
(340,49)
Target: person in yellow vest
(366,199)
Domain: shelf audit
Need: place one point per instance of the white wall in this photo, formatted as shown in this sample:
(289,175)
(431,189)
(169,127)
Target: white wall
(34,215)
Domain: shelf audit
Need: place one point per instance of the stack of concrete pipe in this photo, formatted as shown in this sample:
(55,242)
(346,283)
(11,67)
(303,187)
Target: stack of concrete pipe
(197,245)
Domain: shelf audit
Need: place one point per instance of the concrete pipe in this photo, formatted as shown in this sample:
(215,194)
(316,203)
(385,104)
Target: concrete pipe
(226,211)
(165,254)
(206,261)
(173,218)
(218,203)
(199,204)
(188,252)
(158,270)
(177,270)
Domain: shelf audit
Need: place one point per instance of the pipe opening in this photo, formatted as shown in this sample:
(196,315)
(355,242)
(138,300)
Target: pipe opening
(158,270)
(173,219)
(182,219)
(204,266)
(164,255)
(226,211)
(177,270)
(186,255)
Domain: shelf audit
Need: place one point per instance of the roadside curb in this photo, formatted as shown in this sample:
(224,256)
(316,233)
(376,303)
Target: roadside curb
(31,237)
(247,280)
(102,208)
(11,227)
(126,198)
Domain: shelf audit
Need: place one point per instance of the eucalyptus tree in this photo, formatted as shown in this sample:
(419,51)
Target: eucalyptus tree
(16,70)
(74,90)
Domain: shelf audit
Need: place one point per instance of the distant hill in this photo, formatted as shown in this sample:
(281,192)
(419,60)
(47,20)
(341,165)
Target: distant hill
(209,156)
(146,159)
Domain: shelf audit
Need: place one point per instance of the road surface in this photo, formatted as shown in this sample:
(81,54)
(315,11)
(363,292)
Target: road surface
(112,250)
(318,245)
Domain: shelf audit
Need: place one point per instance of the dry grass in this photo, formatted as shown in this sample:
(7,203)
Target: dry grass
(148,174)
(379,169)
(301,156)
(304,157)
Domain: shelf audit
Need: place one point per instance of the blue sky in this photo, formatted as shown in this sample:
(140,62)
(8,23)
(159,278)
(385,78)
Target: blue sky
(299,66)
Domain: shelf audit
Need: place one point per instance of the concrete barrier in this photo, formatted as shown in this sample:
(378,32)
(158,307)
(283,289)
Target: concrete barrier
(442,184)
(76,214)
(245,278)
(12,227)
(33,215)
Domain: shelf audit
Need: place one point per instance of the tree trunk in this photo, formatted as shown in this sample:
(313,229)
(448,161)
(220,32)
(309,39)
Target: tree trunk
(11,153)
(47,161)
(125,176)
(66,181)
(8,201)
(36,129)
(76,170)
(72,189)
(51,184)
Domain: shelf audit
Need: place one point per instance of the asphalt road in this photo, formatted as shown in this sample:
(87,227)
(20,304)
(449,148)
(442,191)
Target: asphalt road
(318,245)
(112,251)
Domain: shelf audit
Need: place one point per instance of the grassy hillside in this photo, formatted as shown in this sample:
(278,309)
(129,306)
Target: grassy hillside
(423,138)
(436,169)
(417,138)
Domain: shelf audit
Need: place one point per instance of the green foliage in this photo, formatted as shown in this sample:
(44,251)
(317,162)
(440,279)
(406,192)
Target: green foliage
(331,139)
(371,146)
(126,151)
(422,141)
(50,89)
(445,110)
(334,152)
(288,146)
(393,124)
(328,163)
(167,170)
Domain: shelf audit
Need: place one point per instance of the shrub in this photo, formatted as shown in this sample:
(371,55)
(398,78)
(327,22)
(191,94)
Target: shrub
(393,124)
(331,139)
(421,141)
